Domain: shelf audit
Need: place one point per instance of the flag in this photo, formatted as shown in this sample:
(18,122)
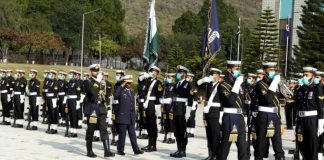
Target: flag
(150,55)
(287,30)
(211,35)
(238,31)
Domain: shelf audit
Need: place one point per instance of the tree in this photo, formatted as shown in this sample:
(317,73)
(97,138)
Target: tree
(109,48)
(310,50)
(268,32)
(175,57)
(252,58)
(188,23)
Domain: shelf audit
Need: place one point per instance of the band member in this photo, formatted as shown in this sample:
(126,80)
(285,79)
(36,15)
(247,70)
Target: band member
(125,116)
(212,111)
(10,85)
(319,82)
(268,124)
(152,106)
(51,98)
(44,92)
(80,100)
(5,97)
(34,98)
(140,100)
(181,109)
(96,111)
(310,120)
(192,120)
(233,120)
(19,97)
(167,108)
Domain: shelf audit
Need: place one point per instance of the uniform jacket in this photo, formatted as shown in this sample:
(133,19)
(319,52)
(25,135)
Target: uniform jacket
(125,113)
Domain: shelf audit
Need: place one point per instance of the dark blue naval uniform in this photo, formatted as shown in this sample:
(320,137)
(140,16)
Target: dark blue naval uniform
(125,117)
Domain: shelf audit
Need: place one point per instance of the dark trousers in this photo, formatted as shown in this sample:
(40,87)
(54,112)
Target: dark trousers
(101,124)
(290,113)
(262,142)
(34,108)
(309,146)
(180,132)
(168,126)
(142,124)
(152,127)
(5,105)
(44,107)
(52,112)
(192,120)
(61,107)
(79,112)
(72,113)
(19,107)
(213,135)
(241,140)
(130,128)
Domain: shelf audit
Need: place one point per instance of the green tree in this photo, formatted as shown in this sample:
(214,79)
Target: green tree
(109,48)
(252,58)
(175,57)
(188,23)
(310,50)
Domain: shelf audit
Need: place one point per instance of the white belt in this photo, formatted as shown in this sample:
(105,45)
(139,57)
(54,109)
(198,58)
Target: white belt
(4,91)
(152,98)
(71,96)
(233,110)
(50,95)
(254,114)
(268,109)
(307,113)
(61,93)
(115,102)
(141,100)
(45,90)
(33,93)
(178,99)
(214,104)
(17,93)
(10,89)
(167,100)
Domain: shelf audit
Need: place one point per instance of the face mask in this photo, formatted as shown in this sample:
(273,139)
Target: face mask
(168,81)
(0,75)
(30,75)
(300,82)
(151,74)
(236,73)
(271,74)
(84,78)
(70,76)
(316,81)
(258,79)
(49,76)
(15,76)
(211,78)
(306,81)
(8,75)
(117,78)
(179,77)
(248,81)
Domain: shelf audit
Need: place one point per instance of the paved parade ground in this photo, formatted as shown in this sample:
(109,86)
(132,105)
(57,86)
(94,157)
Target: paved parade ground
(17,144)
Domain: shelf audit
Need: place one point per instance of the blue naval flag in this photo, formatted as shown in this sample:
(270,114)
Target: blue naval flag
(211,35)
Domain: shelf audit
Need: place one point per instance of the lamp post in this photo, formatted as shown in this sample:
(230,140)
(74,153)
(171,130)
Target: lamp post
(82,35)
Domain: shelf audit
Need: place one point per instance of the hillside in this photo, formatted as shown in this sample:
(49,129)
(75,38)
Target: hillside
(169,10)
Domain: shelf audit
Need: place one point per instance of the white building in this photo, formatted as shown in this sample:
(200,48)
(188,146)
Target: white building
(296,15)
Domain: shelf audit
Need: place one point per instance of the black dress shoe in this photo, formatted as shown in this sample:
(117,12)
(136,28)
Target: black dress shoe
(170,141)
(114,143)
(151,149)
(73,135)
(174,154)
(53,131)
(28,128)
(181,154)
(165,140)
(48,131)
(34,128)
(145,136)
(79,127)
(138,152)
(190,135)
(140,136)
(145,148)
(121,153)
(91,155)
(5,123)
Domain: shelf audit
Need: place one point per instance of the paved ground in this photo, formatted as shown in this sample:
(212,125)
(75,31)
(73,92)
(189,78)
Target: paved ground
(22,144)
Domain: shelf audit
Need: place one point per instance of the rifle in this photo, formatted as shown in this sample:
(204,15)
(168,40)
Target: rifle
(67,119)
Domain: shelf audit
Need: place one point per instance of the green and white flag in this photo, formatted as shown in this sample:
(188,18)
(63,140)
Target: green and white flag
(150,55)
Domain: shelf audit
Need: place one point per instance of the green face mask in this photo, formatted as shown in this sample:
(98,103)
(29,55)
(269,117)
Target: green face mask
(30,75)
(49,76)
(8,74)
(70,76)
(15,76)
(179,76)
(0,75)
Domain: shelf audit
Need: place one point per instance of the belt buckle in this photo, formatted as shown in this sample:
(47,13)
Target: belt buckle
(275,110)
(239,111)
(302,113)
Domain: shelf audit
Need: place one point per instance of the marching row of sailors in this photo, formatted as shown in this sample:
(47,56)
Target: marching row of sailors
(244,111)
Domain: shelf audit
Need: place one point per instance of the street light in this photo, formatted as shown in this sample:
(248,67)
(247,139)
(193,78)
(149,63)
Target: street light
(82,34)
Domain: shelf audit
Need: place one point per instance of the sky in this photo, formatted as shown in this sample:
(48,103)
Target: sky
(286,9)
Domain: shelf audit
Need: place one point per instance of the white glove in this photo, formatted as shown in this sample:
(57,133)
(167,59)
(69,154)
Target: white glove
(78,105)
(64,100)
(54,101)
(82,98)
(194,105)
(146,75)
(245,120)
(274,84)
(109,114)
(99,77)
(221,113)
(38,101)
(206,109)
(8,97)
(141,78)
(188,111)
(22,98)
(145,105)
(320,129)
(237,84)
(158,110)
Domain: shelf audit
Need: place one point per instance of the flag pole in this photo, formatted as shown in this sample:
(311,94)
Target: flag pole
(238,40)
(287,48)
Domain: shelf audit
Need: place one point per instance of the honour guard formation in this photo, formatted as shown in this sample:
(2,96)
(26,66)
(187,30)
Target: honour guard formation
(237,108)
